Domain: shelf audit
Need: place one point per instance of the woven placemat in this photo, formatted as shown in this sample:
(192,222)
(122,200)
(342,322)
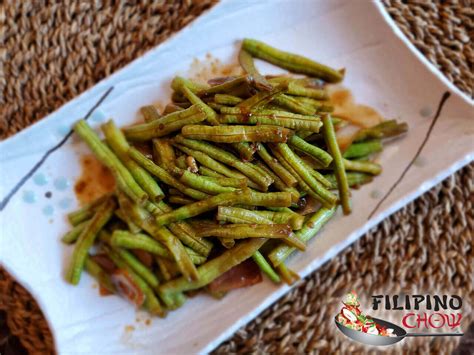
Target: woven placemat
(54,52)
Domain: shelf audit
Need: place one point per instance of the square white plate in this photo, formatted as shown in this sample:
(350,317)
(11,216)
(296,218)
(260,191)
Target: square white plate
(383,71)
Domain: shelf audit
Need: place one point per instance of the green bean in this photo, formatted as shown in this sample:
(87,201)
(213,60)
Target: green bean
(150,113)
(200,207)
(299,90)
(123,177)
(214,165)
(125,218)
(226,158)
(339,169)
(87,211)
(324,196)
(269,199)
(205,171)
(127,240)
(186,234)
(363,149)
(245,150)
(151,302)
(193,86)
(261,98)
(305,81)
(195,100)
(164,176)
(116,140)
(316,174)
(385,129)
(225,181)
(233,115)
(169,270)
(292,62)
(354,179)
(277,199)
(279,254)
(362,166)
(247,63)
(266,268)
(138,267)
(227,87)
(180,200)
(86,239)
(279,184)
(281,209)
(216,107)
(145,220)
(99,274)
(242,231)
(71,236)
(163,153)
(166,124)
(170,108)
(318,105)
(293,105)
(293,219)
(301,183)
(181,162)
(225,99)
(276,167)
(236,134)
(240,215)
(287,275)
(202,184)
(211,269)
(227,243)
(317,153)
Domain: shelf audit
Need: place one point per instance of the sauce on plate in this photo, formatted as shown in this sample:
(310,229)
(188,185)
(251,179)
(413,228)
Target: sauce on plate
(95,180)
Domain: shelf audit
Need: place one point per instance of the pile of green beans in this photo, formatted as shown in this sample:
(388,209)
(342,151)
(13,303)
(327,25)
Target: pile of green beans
(233,165)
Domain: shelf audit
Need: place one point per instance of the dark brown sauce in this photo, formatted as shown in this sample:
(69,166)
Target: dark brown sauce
(345,107)
(95,180)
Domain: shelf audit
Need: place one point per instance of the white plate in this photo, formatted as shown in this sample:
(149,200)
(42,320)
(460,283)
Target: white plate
(383,71)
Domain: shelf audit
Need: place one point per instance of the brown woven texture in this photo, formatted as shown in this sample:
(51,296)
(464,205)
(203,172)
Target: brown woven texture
(55,51)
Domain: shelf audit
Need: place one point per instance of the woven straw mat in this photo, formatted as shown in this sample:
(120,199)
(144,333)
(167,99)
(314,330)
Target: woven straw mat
(56,51)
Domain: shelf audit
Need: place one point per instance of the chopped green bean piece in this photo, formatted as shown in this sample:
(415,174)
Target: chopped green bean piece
(165,125)
(71,236)
(247,63)
(225,99)
(309,230)
(150,113)
(362,166)
(123,177)
(87,238)
(211,270)
(339,168)
(266,268)
(116,140)
(320,155)
(292,62)
(236,134)
(386,129)
(234,115)
(363,149)
(164,176)
(99,274)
